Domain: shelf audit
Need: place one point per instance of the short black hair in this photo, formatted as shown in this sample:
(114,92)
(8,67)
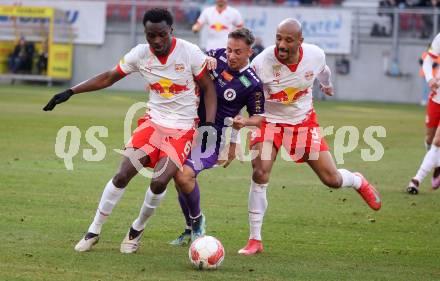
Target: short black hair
(243,33)
(157,15)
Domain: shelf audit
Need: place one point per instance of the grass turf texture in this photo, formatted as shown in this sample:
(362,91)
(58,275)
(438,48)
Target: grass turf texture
(310,232)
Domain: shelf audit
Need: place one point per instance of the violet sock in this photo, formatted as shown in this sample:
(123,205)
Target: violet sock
(185,209)
(192,200)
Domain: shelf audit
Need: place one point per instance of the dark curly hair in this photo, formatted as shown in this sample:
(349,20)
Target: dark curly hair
(244,34)
(157,15)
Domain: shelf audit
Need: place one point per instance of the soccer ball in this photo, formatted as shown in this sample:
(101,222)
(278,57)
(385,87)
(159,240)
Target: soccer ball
(206,252)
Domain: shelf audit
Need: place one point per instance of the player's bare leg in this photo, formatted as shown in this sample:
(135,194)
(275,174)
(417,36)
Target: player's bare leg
(164,172)
(430,134)
(189,197)
(111,195)
(325,168)
(257,204)
(430,161)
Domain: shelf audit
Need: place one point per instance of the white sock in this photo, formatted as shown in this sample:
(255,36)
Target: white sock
(349,179)
(430,161)
(151,202)
(110,197)
(257,208)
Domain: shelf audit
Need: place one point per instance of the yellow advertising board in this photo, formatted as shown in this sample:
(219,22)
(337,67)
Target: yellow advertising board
(60,61)
(29,12)
(59,54)
(6,48)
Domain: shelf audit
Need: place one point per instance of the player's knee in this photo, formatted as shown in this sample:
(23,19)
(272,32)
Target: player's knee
(158,185)
(185,183)
(260,176)
(181,178)
(121,180)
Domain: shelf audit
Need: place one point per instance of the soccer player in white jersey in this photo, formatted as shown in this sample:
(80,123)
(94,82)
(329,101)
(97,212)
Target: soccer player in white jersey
(432,157)
(287,71)
(220,20)
(172,68)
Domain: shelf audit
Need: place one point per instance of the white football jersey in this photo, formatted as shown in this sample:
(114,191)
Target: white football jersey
(219,24)
(173,97)
(434,51)
(288,88)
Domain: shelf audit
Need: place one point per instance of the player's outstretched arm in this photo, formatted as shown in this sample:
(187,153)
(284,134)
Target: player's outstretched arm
(97,82)
(241,121)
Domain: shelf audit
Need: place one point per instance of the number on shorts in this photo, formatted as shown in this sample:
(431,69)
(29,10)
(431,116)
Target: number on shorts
(187,149)
(315,135)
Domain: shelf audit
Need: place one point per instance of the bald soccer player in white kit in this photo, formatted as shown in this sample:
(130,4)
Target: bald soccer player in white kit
(287,71)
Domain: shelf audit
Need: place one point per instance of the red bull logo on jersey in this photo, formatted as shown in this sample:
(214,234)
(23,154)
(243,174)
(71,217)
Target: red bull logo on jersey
(218,26)
(276,70)
(288,95)
(179,67)
(167,89)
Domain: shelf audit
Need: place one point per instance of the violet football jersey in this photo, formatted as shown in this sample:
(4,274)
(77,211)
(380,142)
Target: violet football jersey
(235,90)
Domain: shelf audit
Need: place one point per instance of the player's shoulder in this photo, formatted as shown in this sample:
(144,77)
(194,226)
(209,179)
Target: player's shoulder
(183,45)
(312,50)
(250,78)
(232,10)
(209,9)
(266,55)
(141,48)
(140,51)
(219,53)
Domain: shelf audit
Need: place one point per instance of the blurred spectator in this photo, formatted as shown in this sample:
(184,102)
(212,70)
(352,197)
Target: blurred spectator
(386,4)
(257,47)
(42,58)
(379,30)
(308,2)
(220,20)
(21,59)
(428,20)
(327,2)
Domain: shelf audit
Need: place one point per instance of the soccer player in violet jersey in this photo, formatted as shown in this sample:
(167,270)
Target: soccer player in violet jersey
(237,86)
(171,67)
(287,71)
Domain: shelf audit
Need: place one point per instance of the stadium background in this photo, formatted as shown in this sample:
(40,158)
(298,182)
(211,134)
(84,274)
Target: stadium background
(370,57)
(385,43)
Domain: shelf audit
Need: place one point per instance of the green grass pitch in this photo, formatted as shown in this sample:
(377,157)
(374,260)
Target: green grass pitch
(310,232)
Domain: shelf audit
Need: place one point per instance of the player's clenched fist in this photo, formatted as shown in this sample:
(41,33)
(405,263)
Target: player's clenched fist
(211,63)
(328,90)
(434,84)
(57,99)
(239,122)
